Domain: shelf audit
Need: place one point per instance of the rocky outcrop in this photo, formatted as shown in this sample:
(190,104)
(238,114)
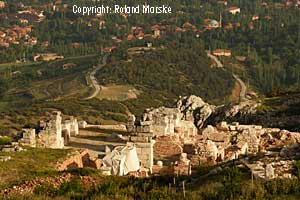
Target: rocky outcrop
(195,109)
(242,109)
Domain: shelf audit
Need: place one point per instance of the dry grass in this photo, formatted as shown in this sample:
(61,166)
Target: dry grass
(26,165)
(235,93)
(118,92)
(69,86)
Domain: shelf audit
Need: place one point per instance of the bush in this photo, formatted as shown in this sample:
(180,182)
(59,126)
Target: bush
(45,189)
(5,140)
(74,186)
(83,171)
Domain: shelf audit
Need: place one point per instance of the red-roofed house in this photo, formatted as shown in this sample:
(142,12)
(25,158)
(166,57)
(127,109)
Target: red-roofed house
(130,37)
(2,34)
(109,49)
(222,52)
(233,10)
(4,44)
(2,4)
(32,41)
(255,17)
(140,35)
(178,29)
(156,30)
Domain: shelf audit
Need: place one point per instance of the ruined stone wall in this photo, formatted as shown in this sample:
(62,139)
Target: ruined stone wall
(29,138)
(79,160)
(164,122)
(179,167)
(145,153)
(166,146)
(51,135)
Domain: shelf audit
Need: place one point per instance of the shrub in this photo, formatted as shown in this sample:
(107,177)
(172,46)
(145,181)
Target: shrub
(83,171)
(74,186)
(5,140)
(45,189)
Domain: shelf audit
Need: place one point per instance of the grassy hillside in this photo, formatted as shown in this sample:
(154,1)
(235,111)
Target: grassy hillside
(174,69)
(32,90)
(29,164)
(281,111)
(230,183)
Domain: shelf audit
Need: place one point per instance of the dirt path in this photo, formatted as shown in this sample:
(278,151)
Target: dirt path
(243,87)
(95,140)
(93,79)
(215,59)
(241,83)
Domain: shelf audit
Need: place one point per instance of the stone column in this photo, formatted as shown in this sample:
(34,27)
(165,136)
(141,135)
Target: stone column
(145,153)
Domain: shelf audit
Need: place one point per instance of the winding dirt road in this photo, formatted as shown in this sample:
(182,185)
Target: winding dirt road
(93,79)
(215,59)
(242,84)
(243,87)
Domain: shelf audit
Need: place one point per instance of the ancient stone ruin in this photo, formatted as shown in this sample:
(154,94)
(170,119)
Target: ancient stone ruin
(169,138)
(29,138)
(174,140)
(52,133)
(79,159)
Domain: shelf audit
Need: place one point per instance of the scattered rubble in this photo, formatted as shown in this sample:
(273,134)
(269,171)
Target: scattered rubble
(29,186)
(79,160)
(14,147)
(174,133)
(4,158)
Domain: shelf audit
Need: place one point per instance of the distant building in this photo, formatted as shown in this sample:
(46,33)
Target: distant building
(213,23)
(255,17)
(233,10)
(222,52)
(45,44)
(109,49)
(102,24)
(2,34)
(228,27)
(4,44)
(47,57)
(32,41)
(69,65)
(251,26)
(223,2)
(130,37)
(2,4)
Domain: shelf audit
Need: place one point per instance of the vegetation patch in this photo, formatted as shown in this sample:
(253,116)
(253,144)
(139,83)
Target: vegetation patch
(118,92)
(26,165)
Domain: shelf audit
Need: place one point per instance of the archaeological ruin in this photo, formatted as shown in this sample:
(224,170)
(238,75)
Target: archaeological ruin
(175,140)
(53,133)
